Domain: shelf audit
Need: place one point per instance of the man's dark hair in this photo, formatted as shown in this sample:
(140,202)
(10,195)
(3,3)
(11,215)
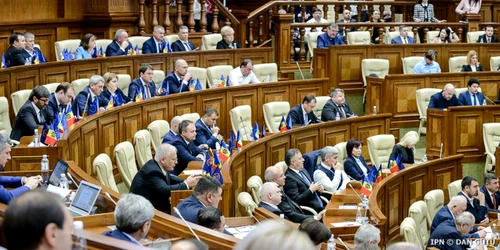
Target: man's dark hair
(14,37)
(27,217)
(183,126)
(489,177)
(245,62)
(39,92)
(209,217)
(308,98)
(144,67)
(467,181)
(316,230)
(205,185)
(431,55)
(472,81)
(290,154)
(210,111)
(64,87)
(352,143)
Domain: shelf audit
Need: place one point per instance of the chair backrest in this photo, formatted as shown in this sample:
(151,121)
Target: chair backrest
(253,184)
(393,34)
(282,165)
(191,116)
(241,120)
(431,34)
(124,81)
(273,113)
(245,200)
(455,63)
(491,137)
(312,41)
(494,63)
(70,44)
(19,98)
(142,141)
(103,169)
(158,129)
(264,70)
(454,188)
(435,201)
(408,231)
(5,127)
(320,103)
(171,38)
(423,99)
(79,84)
(410,62)
(200,73)
(209,42)
(418,211)
(472,36)
(341,147)
(358,37)
(158,76)
(311,160)
(459,91)
(102,43)
(380,148)
(125,160)
(214,73)
(138,41)
(51,87)
(374,66)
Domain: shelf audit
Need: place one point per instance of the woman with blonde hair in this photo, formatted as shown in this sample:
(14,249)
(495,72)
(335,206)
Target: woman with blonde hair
(227,41)
(111,90)
(472,63)
(405,148)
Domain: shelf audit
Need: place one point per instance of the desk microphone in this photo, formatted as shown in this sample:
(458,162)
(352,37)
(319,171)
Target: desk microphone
(342,242)
(489,100)
(244,128)
(86,103)
(187,224)
(355,192)
(251,214)
(234,45)
(73,180)
(352,179)
(307,123)
(109,196)
(441,151)
(300,70)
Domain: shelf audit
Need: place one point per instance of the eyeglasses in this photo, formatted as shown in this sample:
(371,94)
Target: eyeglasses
(45,100)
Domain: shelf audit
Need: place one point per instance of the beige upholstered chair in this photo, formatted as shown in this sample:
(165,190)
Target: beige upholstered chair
(214,73)
(241,120)
(103,169)
(79,84)
(454,188)
(158,76)
(200,73)
(418,211)
(491,138)
(312,40)
(253,184)
(341,147)
(70,44)
(209,42)
(264,70)
(245,200)
(191,116)
(158,129)
(435,201)
(455,63)
(459,91)
(472,36)
(273,113)
(374,66)
(124,81)
(138,41)
(5,127)
(18,99)
(410,62)
(423,99)
(393,34)
(171,38)
(494,63)
(125,160)
(282,165)
(103,43)
(142,141)
(380,149)
(431,34)
(51,87)
(358,37)
(320,103)
(408,231)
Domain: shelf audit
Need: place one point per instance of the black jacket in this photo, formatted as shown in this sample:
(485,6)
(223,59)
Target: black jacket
(467,68)
(330,111)
(297,116)
(223,45)
(27,121)
(14,57)
(297,189)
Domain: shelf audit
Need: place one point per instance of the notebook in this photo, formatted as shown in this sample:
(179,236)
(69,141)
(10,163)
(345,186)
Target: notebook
(84,200)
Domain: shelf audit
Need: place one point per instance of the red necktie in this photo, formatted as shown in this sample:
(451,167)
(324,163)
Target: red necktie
(494,201)
(341,112)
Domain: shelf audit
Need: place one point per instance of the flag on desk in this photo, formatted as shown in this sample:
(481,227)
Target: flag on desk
(231,141)
(216,167)
(263,130)
(59,123)
(136,49)
(101,53)
(227,81)
(393,166)
(399,162)
(239,141)
(221,83)
(372,176)
(35,59)
(207,166)
(4,64)
(366,187)
(138,97)
(379,175)
(94,106)
(95,53)
(49,135)
(224,153)
(118,100)
(289,123)
(282,127)
(255,132)
(70,118)
(167,48)
(198,85)
(67,55)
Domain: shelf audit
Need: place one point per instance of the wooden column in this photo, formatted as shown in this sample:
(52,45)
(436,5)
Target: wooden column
(154,6)
(142,22)
(282,37)
(166,21)
(191,16)
(474,20)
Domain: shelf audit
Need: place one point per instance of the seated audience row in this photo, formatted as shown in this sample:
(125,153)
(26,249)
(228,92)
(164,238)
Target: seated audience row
(447,97)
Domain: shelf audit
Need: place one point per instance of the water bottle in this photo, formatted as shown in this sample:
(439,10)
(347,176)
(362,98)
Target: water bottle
(424,159)
(337,117)
(494,231)
(331,243)
(364,203)
(268,78)
(359,217)
(64,182)
(484,102)
(217,147)
(364,41)
(79,242)
(214,83)
(37,138)
(282,218)
(374,110)
(45,168)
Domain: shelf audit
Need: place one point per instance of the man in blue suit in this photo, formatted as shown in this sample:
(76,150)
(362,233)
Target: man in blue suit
(21,184)
(142,87)
(472,97)
(445,98)
(120,46)
(208,192)
(302,114)
(450,234)
(330,37)
(84,100)
(454,208)
(178,80)
(207,131)
(174,130)
(156,44)
(133,214)
(270,197)
(403,37)
(58,101)
(183,44)
(32,54)
(186,150)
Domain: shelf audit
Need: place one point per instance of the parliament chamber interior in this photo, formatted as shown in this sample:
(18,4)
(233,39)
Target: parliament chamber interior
(228,124)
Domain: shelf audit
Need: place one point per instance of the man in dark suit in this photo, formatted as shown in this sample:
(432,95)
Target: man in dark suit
(488,37)
(472,97)
(183,44)
(207,193)
(133,214)
(186,149)
(178,80)
(207,131)
(490,191)
(32,54)
(154,182)
(302,114)
(85,100)
(58,101)
(120,46)
(211,218)
(452,231)
(475,200)
(347,19)
(299,185)
(174,130)
(337,107)
(445,98)
(32,114)
(156,44)
(403,37)
(14,55)
(142,87)
(270,197)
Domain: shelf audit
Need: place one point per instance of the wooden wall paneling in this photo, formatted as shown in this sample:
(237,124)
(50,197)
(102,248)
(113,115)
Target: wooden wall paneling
(393,55)
(297,93)
(155,62)
(192,61)
(109,132)
(238,167)
(438,81)
(29,158)
(394,208)
(406,107)
(375,95)
(46,39)
(417,186)
(492,116)
(124,66)
(489,86)
(256,159)
(321,62)
(306,141)
(75,145)
(421,50)
(55,74)
(276,149)
(466,128)
(442,176)
(348,65)
(76,33)
(91,145)
(435,124)
(334,134)
(5,87)
(85,69)
(4,40)
(217,101)
(130,122)
(221,58)
(485,53)
(257,58)
(26,79)
(153,112)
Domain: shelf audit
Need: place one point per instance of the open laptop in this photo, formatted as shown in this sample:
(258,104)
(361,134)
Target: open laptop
(55,178)
(84,200)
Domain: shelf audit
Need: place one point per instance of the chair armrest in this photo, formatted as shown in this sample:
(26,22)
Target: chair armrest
(328,192)
(14,142)
(308,209)
(325,200)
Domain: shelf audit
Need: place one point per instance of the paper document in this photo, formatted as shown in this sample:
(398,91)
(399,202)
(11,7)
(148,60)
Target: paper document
(192,172)
(346,224)
(61,192)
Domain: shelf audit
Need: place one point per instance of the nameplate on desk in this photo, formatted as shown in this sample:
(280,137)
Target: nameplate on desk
(32,145)
(348,207)
(240,232)
(346,224)
(192,172)
(61,192)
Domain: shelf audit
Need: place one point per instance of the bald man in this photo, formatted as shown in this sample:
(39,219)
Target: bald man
(445,98)
(270,197)
(174,130)
(178,80)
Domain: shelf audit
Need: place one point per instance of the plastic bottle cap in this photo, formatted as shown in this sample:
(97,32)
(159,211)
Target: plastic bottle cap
(78,225)
(44,156)
(63,175)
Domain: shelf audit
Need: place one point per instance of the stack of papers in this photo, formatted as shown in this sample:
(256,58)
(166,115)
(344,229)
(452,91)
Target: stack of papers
(240,232)
(192,172)
(346,224)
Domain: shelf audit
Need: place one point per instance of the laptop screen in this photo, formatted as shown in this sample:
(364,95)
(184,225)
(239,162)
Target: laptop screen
(60,168)
(85,197)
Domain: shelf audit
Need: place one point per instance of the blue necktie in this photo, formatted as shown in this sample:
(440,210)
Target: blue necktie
(473,99)
(309,184)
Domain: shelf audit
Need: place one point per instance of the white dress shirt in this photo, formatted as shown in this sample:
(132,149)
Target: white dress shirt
(331,185)
(236,77)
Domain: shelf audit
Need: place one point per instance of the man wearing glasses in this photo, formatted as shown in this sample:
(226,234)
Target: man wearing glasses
(32,114)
